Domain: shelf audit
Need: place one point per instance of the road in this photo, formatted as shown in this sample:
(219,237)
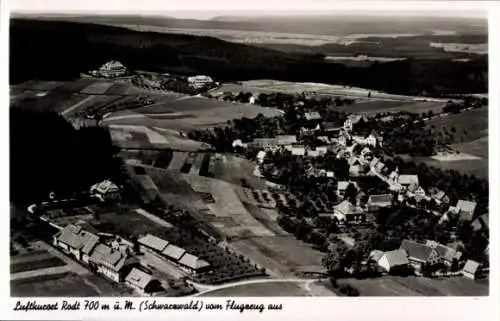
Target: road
(211,288)
(153,218)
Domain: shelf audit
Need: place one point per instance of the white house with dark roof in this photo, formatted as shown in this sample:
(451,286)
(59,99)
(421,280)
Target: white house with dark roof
(393,260)
(193,264)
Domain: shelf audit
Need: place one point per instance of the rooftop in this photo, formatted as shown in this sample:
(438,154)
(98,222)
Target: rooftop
(139,278)
(312,115)
(466,206)
(382,198)
(471,266)
(153,242)
(347,208)
(105,255)
(396,257)
(417,251)
(173,251)
(193,262)
(408,179)
(77,238)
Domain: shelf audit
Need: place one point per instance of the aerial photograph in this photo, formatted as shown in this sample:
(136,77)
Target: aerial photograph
(248,154)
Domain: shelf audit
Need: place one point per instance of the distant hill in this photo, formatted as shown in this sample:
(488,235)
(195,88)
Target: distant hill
(317,25)
(61,50)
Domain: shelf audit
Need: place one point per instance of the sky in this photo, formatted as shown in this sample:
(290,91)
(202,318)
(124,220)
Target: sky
(206,9)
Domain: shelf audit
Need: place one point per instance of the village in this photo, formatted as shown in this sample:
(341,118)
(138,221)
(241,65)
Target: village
(140,247)
(356,206)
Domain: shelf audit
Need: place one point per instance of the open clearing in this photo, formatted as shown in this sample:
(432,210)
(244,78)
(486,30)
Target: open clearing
(275,254)
(58,285)
(381,106)
(469,125)
(270,289)
(335,90)
(98,87)
(234,169)
(418,286)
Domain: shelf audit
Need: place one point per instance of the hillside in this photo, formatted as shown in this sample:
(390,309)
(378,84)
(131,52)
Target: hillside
(64,49)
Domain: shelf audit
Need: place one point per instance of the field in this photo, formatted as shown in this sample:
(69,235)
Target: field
(381,106)
(471,128)
(266,85)
(469,125)
(280,255)
(271,289)
(418,286)
(58,285)
(188,113)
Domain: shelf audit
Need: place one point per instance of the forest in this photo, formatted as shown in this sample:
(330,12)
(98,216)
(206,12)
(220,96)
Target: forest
(64,49)
(48,155)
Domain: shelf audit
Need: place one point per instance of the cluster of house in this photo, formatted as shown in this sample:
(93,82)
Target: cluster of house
(112,258)
(111,69)
(180,257)
(416,254)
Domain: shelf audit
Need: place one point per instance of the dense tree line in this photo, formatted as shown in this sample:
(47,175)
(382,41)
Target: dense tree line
(65,49)
(48,154)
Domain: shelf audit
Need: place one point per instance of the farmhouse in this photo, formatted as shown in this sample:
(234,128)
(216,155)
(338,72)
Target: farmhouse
(419,253)
(199,81)
(112,69)
(86,248)
(141,281)
(105,190)
(446,253)
(347,212)
(393,260)
(110,262)
(75,241)
(376,202)
(193,264)
(470,269)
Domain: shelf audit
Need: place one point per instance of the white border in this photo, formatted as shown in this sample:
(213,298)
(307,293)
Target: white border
(456,308)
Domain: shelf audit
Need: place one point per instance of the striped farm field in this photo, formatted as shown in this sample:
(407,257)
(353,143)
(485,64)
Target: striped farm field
(117,89)
(74,86)
(97,88)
